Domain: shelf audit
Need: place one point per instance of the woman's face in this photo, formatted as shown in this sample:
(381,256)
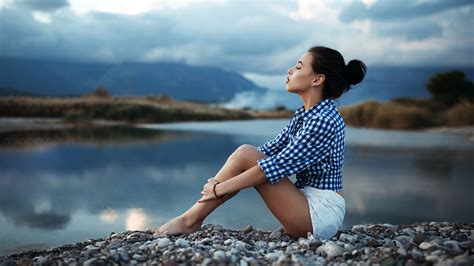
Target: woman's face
(301,76)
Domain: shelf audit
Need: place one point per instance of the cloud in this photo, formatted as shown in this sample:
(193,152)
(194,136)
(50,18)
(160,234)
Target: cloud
(398,10)
(39,5)
(260,41)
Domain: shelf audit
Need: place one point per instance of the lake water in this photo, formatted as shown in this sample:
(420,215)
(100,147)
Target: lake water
(64,186)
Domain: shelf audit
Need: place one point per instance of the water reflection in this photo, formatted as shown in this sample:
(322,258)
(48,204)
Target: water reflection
(87,183)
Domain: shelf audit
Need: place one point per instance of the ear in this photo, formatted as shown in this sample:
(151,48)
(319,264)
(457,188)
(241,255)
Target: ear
(318,80)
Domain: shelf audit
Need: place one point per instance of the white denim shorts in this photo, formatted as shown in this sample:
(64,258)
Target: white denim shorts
(327,209)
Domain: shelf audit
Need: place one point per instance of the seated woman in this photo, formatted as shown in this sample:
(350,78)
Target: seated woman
(310,146)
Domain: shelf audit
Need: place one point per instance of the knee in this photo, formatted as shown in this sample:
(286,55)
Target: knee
(242,152)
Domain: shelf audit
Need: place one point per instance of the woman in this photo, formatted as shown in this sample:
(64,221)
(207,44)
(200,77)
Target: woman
(310,146)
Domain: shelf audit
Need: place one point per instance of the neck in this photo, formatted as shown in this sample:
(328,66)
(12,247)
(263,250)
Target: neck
(310,99)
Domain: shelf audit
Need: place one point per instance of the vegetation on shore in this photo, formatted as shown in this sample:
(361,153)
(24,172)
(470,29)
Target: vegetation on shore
(100,105)
(451,104)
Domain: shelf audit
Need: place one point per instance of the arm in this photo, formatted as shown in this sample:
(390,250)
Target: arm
(251,177)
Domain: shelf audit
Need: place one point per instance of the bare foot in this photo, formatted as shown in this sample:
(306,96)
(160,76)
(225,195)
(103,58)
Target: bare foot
(177,226)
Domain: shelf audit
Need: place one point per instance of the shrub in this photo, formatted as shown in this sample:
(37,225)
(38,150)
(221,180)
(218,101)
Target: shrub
(99,92)
(451,87)
(462,114)
(361,114)
(402,117)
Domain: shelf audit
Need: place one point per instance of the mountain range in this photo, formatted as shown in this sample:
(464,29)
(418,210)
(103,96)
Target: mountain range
(177,80)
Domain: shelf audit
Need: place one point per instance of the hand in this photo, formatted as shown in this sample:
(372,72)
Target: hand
(207,191)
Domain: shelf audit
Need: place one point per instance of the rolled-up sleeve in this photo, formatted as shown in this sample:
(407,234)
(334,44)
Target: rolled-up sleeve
(311,144)
(277,144)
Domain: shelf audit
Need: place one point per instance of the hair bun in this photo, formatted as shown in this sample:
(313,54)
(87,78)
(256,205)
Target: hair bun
(355,71)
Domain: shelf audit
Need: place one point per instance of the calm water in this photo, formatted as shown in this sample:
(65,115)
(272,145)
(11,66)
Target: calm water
(64,186)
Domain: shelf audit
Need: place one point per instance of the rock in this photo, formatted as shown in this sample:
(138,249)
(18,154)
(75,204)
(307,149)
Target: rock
(124,256)
(331,249)
(347,238)
(261,245)
(418,238)
(275,234)
(228,242)
(402,251)
(373,242)
(138,257)
(180,242)
(90,262)
(240,245)
(206,241)
(427,246)
(164,242)
(247,229)
(207,261)
(219,255)
(271,246)
(404,240)
(359,227)
(272,256)
(453,245)
(464,259)
(409,231)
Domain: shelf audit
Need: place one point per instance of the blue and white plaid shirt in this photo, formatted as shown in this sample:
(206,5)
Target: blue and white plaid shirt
(311,145)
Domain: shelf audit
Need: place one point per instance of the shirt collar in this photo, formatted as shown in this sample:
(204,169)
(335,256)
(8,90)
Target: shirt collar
(313,110)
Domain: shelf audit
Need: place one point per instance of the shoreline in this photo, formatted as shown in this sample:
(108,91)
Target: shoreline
(418,243)
(35,123)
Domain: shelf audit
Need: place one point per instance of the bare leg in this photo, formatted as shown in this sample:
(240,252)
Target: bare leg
(190,221)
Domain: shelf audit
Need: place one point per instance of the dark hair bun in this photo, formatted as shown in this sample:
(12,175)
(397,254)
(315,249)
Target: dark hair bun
(355,71)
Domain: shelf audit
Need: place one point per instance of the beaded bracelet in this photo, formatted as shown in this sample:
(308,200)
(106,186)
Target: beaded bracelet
(214,189)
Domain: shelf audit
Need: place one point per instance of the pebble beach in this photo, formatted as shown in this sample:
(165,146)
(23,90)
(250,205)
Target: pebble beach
(427,243)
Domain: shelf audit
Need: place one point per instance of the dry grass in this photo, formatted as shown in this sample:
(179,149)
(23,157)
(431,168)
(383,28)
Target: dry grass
(406,113)
(462,114)
(153,109)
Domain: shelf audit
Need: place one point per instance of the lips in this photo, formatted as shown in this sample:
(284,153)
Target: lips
(287,80)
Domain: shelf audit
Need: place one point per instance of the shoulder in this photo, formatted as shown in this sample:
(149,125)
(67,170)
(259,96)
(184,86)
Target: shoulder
(327,118)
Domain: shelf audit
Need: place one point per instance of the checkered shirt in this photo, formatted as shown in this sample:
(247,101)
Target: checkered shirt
(311,145)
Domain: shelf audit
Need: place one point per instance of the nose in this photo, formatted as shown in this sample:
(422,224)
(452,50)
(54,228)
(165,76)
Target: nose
(289,71)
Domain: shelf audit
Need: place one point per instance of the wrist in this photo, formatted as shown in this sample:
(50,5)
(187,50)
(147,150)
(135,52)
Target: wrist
(219,190)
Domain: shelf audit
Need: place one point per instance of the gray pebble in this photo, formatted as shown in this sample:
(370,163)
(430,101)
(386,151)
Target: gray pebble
(164,242)
(180,242)
(331,249)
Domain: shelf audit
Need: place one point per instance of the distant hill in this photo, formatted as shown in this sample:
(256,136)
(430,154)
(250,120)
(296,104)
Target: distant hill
(177,80)
(13,92)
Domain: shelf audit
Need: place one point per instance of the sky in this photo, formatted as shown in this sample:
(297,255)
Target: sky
(259,39)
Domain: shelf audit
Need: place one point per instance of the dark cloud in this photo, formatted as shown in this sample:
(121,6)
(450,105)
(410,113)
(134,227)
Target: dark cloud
(42,5)
(262,39)
(418,31)
(398,10)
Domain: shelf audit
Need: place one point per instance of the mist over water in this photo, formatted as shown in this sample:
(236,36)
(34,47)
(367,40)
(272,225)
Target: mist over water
(381,83)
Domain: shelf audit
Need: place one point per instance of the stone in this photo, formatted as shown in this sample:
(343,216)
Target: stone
(347,238)
(427,246)
(275,234)
(247,229)
(453,245)
(273,256)
(404,240)
(261,245)
(219,255)
(164,242)
(180,242)
(331,249)
(418,238)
